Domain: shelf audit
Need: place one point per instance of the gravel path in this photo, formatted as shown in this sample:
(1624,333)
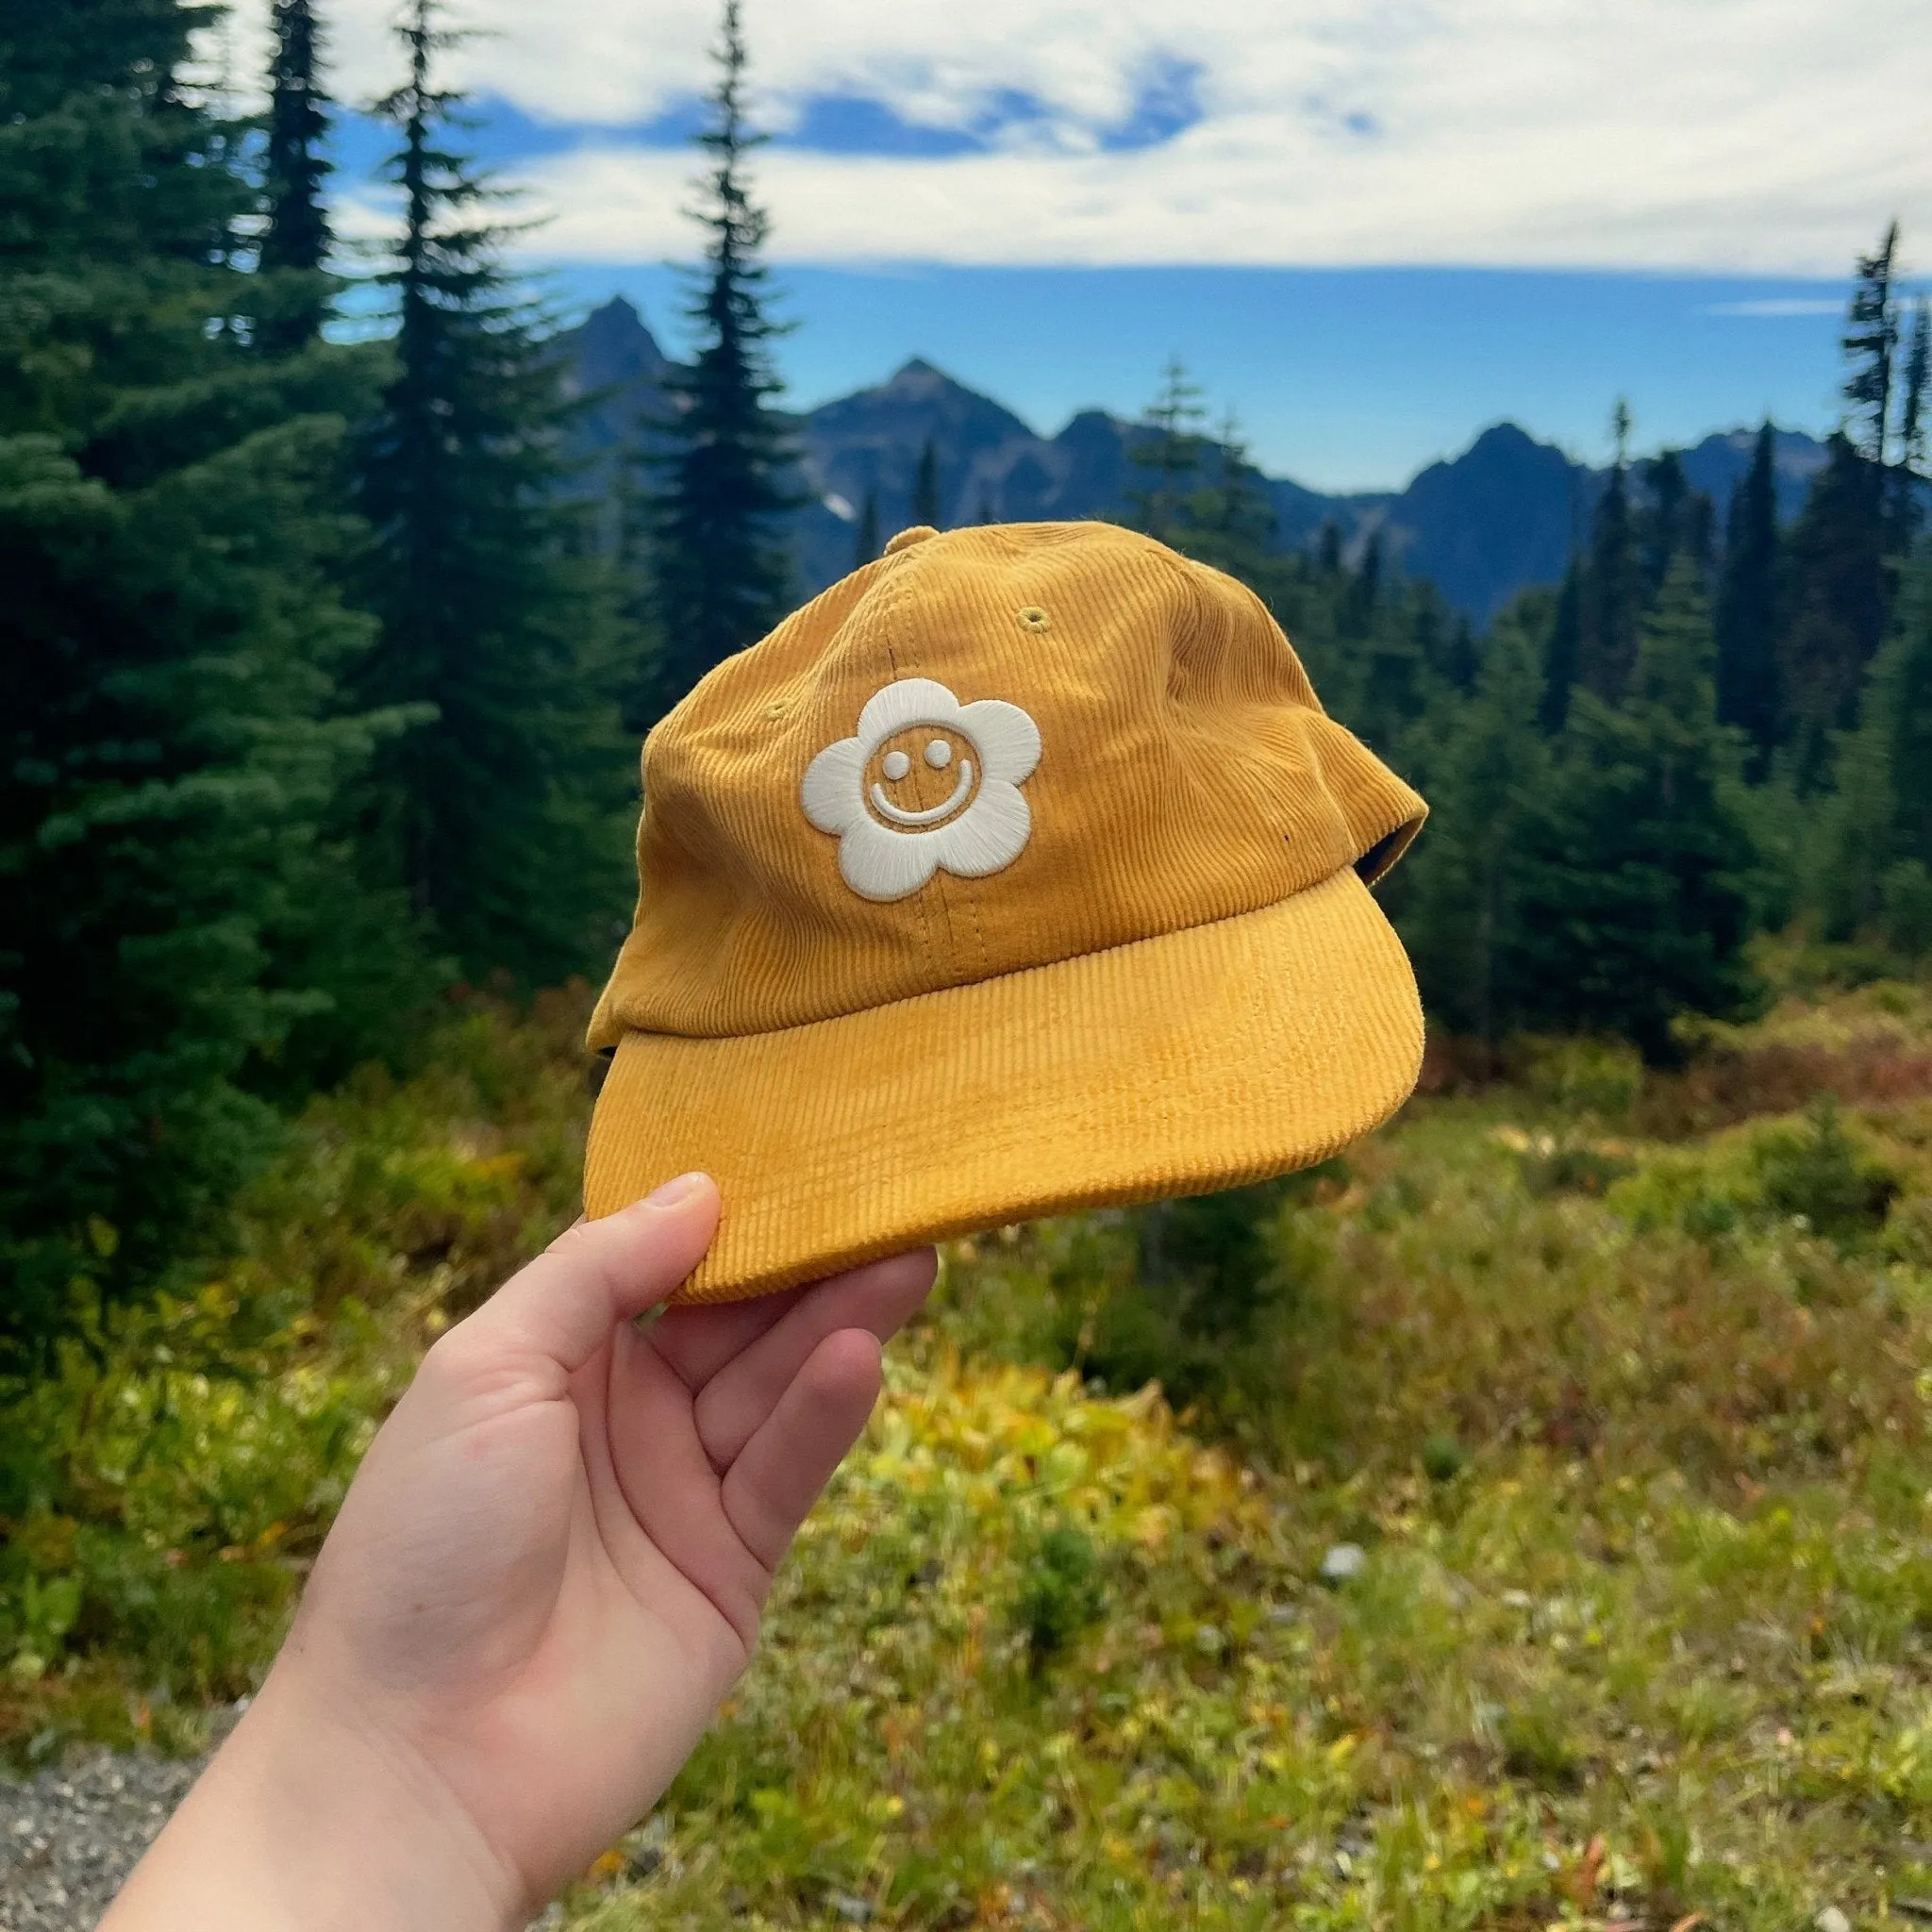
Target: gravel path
(69,1835)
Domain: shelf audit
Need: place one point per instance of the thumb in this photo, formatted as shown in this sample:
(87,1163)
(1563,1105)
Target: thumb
(597,1273)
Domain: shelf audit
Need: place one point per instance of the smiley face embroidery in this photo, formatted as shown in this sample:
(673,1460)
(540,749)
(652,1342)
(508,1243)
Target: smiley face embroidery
(927,783)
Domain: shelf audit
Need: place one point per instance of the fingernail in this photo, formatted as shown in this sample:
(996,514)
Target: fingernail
(673,1192)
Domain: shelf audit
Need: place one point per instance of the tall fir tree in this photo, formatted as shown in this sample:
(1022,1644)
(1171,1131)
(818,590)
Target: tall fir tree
(1845,552)
(1364,598)
(1873,860)
(1835,598)
(1487,763)
(1634,897)
(1611,585)
(632,552)
(1900,703)
(1460,659)
(503,812)
(1748,693)
(297,237)
(1562,651)
(177,904)
(724,568)
(1229,522)
(925,486)
(1871,348)
(1167,451)
(1665,526)
(1914,467)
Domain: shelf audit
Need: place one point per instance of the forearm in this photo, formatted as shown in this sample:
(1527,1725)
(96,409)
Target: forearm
(305,1824)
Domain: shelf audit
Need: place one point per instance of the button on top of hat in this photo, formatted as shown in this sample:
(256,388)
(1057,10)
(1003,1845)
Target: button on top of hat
(907,539)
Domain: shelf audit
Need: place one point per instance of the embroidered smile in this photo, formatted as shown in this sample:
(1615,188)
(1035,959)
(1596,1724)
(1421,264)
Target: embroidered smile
(933,813)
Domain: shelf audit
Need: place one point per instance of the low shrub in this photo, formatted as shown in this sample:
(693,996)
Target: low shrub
(1817,1174)
(1060,1593)
(1585,1077)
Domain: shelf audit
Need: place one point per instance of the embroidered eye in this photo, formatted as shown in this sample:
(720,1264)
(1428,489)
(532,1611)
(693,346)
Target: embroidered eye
(938,754)
(1034,619)
(895,764)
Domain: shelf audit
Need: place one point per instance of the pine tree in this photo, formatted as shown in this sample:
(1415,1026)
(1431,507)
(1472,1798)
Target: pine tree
(632,561)
(1168,451)
(1664,525)
(1633,902)
(1845,552)
(1669,520)
(1229,521)
(925,486)
(1870,347)
(1900,703)
(1562,652)
(724,573)
(1440,642)
(1872,864)
(177,910)
(1747,617)
(120,203)
(297,240)
(1364,590)
(865,541)
(505,812)
(1611,585)
(1393,686)
(1836,601)
(1914,424)
(1487,766)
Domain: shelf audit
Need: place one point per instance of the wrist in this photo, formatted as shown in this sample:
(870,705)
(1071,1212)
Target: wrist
(308,1820)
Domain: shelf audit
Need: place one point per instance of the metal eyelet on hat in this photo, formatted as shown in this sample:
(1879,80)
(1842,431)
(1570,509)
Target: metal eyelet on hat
(1034,619)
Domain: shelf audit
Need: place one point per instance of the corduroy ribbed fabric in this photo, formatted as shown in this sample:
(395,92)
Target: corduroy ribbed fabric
(1144,962)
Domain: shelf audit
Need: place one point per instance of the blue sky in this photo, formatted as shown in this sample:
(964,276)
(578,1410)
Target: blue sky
(1370,227)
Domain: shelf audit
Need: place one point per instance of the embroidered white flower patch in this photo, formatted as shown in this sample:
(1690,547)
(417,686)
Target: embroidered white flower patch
(928,783)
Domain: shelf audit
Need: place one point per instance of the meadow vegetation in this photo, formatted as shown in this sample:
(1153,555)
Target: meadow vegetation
(1616,1380)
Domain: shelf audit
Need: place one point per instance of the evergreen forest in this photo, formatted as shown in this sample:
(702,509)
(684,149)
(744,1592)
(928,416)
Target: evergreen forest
(324,685)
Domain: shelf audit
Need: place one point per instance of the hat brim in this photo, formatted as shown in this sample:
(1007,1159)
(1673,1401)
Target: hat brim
(1198,1059)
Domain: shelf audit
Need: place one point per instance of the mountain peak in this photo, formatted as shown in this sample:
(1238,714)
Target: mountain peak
(1504,435)
(917,381)
(612,344)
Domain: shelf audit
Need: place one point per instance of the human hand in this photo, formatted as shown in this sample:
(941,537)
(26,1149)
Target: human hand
(545,1576)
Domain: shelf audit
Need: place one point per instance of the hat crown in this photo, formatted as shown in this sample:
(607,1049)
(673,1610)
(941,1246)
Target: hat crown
(997,748)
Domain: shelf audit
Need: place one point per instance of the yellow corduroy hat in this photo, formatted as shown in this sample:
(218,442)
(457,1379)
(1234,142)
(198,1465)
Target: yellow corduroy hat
(1021,872)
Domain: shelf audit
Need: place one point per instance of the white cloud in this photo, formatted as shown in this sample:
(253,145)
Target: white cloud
(1765,136)
(1774,305)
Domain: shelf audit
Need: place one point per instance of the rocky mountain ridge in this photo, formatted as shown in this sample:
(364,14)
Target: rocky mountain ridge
(1504,514)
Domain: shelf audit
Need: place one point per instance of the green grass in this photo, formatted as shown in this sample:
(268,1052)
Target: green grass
(1620,1381)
